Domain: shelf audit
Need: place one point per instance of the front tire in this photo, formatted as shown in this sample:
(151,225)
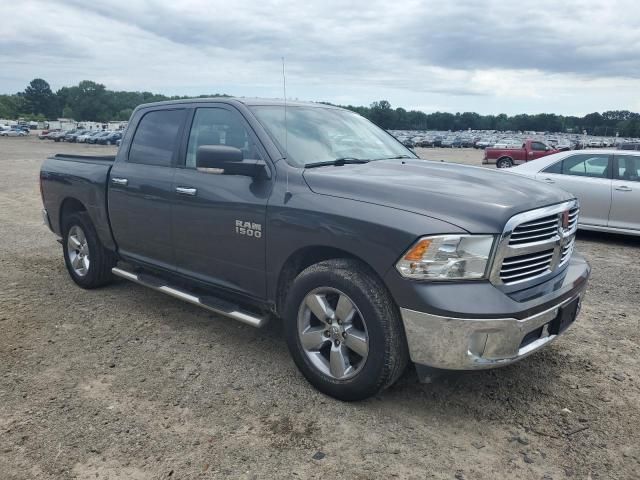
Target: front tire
(344,330)
(89,264)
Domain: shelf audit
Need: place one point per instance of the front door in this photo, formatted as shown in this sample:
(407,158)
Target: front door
(219,220)
(141,189)
(625,201)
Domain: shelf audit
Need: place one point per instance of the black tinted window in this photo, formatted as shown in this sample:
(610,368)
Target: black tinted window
(538,146)
(628,168)
(156,138)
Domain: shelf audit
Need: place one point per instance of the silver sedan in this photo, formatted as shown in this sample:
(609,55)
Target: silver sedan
(607,183)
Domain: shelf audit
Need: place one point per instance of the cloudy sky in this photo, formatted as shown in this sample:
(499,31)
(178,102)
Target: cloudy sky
(569,57)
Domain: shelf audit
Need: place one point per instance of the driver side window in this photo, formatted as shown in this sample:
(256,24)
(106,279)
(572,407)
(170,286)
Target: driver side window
(218,126)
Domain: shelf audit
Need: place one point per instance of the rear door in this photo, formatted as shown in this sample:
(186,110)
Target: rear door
(625,202)
(219,220)
(141,189)
(587,176)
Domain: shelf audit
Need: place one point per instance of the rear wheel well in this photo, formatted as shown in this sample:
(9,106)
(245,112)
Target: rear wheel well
(302,259)
(69,206)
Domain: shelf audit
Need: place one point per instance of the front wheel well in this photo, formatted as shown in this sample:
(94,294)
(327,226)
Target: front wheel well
(301,259)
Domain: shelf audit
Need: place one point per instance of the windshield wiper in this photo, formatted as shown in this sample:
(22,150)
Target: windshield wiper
(338,162)
(396,158)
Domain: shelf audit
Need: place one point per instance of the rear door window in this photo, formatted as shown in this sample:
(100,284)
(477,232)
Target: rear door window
(156,138)
(628,168)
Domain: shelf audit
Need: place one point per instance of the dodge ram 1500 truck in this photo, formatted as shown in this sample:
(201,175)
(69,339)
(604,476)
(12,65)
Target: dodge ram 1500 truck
(508,157)
(371,256)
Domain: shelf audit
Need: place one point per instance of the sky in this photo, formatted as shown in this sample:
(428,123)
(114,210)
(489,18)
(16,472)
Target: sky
(567,57)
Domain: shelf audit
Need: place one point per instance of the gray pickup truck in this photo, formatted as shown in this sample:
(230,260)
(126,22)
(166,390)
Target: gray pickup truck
(370,256)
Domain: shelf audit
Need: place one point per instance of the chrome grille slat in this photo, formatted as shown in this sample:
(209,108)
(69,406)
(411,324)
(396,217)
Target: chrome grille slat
(540,221)
(535,244)
(524,267)
(553,227)
(515,261)
(530,273)
(533,238)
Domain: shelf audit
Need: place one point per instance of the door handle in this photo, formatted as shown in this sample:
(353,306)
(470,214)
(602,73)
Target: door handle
(549,180)
(186,191)
(119,181)
(624,188)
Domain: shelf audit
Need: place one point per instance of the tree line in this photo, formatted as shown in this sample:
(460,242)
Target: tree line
(92,101)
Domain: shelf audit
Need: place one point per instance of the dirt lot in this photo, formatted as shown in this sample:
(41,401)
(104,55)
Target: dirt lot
(123,382)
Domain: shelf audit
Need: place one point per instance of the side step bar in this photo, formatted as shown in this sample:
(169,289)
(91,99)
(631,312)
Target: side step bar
(209,303)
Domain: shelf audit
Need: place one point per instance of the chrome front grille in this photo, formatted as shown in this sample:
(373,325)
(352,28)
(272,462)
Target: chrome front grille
(535,245)
(536,230)
(525,266)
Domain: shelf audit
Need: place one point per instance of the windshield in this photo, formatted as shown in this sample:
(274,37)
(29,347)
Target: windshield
(315,134)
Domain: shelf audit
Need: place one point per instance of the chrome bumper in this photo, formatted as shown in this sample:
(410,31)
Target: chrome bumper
(473,344)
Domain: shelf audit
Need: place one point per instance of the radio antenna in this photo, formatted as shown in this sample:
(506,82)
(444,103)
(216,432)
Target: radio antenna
(284,89)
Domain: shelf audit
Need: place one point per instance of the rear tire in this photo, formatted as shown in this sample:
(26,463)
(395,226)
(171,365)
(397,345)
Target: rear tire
(363,329)
(504,163)
(89,264)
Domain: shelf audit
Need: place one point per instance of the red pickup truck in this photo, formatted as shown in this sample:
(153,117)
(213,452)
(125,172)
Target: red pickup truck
(508,157)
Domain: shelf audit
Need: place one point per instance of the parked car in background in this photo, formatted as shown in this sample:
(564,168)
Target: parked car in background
(73,135)
(109,139)
(13,132)
(447,142)
(84,138)
(607,183)
(629,146)
(94,136)
(44,134)
(508,157)
(485,142)
(57,135)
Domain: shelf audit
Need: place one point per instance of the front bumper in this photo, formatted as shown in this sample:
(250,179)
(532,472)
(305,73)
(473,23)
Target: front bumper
(460,342)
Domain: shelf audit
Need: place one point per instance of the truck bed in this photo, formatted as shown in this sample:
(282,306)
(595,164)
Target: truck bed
(82,178)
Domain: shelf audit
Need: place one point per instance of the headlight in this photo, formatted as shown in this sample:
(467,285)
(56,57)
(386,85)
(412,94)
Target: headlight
(447,257)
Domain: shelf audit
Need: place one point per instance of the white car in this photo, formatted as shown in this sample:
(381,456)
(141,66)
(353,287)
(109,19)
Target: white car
(13,133)
(607,183)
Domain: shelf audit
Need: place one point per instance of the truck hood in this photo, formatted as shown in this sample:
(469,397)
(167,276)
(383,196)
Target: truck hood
(476,199)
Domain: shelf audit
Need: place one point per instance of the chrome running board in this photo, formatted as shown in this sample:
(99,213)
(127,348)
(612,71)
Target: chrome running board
(212,304)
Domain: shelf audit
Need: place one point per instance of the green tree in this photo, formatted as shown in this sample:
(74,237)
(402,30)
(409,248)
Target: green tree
(39,99)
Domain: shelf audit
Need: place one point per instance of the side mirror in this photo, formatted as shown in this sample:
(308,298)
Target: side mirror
(547,148)
(225,160)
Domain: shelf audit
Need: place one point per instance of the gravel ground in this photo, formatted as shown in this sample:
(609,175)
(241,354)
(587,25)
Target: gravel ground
(124,382)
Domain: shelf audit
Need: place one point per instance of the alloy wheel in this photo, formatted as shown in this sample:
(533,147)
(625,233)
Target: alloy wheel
(333,333)
(78,251)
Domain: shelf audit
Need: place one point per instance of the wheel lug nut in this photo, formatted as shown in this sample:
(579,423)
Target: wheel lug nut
(337,343)
(326,333)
